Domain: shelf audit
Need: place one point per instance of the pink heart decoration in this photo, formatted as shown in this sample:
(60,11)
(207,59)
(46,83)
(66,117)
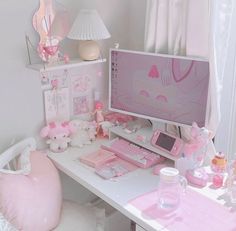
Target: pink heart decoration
(178,72)
(154,73)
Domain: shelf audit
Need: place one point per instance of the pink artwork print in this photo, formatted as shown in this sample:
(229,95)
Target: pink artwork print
(80,105)
(80,84)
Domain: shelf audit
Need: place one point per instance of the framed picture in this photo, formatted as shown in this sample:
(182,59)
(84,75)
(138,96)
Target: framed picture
(56,104)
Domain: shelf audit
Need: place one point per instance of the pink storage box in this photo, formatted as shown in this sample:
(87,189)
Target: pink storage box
(98,158)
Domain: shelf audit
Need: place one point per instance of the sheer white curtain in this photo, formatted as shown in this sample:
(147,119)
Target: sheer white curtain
(192,28)
(165,30)
(223,53)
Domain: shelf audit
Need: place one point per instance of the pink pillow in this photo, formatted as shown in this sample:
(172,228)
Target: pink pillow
(32,202)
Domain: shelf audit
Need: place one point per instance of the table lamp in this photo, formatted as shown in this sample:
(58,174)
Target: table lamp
(87,27)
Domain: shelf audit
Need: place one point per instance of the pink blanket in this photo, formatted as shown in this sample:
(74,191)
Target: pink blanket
(196,213)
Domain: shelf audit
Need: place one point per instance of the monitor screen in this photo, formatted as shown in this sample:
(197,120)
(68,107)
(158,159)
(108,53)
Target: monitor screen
(167,88)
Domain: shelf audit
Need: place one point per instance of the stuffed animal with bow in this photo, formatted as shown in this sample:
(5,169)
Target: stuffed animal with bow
(195,151)
(58,134)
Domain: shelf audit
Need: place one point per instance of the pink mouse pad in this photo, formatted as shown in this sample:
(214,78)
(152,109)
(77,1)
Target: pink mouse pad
(196,212)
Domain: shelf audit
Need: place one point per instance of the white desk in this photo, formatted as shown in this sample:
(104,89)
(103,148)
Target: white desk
(116,192)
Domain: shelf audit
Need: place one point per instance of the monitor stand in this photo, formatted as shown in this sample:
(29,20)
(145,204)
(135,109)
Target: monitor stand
(165,127)
(158,125)
(141,137)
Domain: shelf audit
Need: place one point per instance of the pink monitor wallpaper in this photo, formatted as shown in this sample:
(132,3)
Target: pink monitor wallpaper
(169,88)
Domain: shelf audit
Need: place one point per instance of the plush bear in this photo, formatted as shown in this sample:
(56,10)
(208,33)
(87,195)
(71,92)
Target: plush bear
(85,133)
(58,134)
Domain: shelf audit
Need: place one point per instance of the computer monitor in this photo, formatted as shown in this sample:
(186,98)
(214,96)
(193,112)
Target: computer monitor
(171,89)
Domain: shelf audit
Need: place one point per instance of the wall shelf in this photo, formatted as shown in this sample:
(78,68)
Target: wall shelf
(61,65)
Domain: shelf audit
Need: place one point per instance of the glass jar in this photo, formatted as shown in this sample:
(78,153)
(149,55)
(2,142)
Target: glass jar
(171,188)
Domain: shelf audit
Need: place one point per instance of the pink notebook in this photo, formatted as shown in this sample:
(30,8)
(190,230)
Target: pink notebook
(98,158)
(196,213)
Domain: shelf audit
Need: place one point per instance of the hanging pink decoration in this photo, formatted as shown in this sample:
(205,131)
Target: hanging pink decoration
(51,21)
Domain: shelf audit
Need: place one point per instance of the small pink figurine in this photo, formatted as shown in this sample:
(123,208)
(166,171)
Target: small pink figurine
(98,113)
(99,117)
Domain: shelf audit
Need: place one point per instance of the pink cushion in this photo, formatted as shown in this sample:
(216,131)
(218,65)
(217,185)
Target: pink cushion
(32,202)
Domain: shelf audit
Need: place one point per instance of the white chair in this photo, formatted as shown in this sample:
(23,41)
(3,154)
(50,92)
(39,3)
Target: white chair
(74,217)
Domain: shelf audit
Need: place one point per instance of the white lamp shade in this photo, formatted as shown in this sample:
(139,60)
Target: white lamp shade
(88,26)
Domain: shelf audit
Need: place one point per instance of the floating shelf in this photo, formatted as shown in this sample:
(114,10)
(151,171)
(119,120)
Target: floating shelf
(61,65)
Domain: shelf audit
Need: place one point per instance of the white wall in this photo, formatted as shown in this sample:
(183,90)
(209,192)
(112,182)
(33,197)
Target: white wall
(21,111)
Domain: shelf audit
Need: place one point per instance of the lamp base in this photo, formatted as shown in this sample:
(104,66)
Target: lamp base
(88,50)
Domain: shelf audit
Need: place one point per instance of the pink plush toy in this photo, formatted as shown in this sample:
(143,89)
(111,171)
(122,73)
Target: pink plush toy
(58,134)
(85,133)
(198,142)
(195,151)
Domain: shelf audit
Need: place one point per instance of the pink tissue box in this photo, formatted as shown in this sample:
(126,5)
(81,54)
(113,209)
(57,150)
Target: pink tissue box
(98,158)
